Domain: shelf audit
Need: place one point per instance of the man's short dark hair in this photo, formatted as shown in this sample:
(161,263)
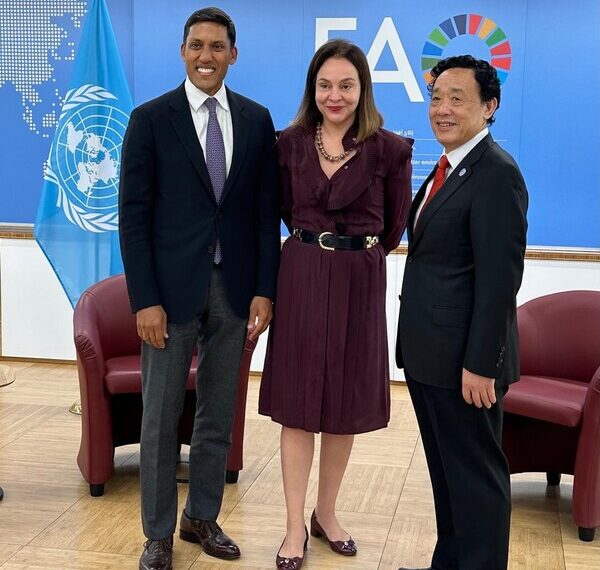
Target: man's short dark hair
(485,75)
(215,15)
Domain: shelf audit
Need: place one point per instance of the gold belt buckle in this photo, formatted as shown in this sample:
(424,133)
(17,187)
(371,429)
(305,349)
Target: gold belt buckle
(371,241)
(321,241)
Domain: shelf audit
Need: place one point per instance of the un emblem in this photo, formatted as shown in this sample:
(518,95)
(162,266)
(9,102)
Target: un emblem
(85,157)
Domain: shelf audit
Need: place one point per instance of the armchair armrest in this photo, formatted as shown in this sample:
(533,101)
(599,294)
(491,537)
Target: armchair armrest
(236,451)
(586,490)
(96,419)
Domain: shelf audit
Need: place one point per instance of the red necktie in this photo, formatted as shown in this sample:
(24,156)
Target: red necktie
(438,178)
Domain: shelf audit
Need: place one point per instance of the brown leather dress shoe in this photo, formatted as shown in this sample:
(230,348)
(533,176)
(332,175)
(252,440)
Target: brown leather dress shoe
(157,555)
(343,547)
(209,535)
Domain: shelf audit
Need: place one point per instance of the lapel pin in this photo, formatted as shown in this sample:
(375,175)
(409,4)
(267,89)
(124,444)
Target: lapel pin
(462,172)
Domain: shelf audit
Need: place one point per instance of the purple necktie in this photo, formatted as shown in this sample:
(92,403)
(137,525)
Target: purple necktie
(215,159)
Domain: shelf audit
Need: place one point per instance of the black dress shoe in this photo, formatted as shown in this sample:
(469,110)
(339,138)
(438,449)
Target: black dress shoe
(209,535)
(402,568)
(157,555)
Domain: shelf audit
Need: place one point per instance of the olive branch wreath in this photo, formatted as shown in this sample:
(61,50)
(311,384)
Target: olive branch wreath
(89,221)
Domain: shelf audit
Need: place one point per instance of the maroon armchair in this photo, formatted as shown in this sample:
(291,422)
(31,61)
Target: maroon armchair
(552,416)
(108,362)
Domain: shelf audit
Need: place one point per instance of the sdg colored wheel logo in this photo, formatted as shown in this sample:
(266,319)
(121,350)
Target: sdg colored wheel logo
(487,31)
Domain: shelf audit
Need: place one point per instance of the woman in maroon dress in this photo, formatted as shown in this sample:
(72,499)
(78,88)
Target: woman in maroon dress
(346,195)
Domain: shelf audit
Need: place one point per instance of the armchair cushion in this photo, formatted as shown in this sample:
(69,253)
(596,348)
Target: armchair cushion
(552,416)
(553,400)
(123,375)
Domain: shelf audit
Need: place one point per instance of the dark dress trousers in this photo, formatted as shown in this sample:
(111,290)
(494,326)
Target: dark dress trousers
(458,310)
(169,225)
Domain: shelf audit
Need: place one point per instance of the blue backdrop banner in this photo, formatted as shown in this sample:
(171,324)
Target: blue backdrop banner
(545,53)
(77,219)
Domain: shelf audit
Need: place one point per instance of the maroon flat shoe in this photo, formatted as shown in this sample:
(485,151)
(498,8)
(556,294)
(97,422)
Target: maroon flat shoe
(343,547)
(283,563)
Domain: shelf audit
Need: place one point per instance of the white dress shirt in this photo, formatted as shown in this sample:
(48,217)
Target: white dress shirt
(196,99)
(454,159)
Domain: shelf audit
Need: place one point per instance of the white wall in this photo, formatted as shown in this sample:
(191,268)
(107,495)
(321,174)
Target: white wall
(37,317)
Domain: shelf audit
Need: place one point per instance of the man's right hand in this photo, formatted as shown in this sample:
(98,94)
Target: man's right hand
(152,325)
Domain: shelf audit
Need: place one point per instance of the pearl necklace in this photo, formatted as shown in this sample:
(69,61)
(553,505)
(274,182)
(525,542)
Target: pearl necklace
(324,153)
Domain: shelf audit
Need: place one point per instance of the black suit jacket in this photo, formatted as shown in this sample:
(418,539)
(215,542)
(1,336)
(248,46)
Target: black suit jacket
(463,270)
(169,219)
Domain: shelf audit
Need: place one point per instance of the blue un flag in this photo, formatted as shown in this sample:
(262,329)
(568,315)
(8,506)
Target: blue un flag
(77,219)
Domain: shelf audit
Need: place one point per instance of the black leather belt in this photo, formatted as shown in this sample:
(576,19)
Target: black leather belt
(331,241)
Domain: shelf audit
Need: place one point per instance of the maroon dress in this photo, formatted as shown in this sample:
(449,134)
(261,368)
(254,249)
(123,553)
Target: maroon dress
(327,367)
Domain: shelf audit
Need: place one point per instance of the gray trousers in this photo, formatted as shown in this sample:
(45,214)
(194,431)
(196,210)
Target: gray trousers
(220,335)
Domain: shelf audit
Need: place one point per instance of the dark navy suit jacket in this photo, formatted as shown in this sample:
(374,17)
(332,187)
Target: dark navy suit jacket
(169,219)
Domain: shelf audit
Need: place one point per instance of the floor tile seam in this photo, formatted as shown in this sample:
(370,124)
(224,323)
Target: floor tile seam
(83,496)
(77,551)
(129,456)
(398,502)
(405,466)
(46,527)
(91,551)
(385,542)
(370,512)
(32,412)
(241,498)
(27,511)
(24,463)
(37,421)
(562,538)
(411,468)
(21,546)
(386,514)
(47,462)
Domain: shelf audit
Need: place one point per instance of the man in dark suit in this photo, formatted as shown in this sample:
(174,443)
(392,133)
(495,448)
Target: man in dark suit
(457,333)
(199,224)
